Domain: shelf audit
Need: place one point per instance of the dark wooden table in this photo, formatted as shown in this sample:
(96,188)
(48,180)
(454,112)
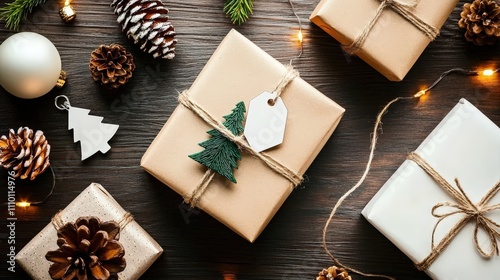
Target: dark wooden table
(196,245)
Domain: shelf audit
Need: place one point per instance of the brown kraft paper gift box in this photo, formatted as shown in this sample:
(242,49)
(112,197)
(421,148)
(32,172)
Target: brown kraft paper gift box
(394,44)
(239,71)
(141,250)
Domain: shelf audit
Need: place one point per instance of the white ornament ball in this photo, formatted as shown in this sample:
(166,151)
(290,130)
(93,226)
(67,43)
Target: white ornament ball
(29,65)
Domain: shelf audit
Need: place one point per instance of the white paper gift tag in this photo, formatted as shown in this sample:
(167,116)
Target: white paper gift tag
(266,121)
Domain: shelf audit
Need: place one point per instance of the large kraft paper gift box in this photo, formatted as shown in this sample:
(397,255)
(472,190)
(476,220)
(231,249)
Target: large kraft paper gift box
(393,44)
(141,250)
(239,71)
(465,147)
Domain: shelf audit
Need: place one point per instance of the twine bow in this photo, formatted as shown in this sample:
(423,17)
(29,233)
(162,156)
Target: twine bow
(472,212)
(292,176)
(403,9)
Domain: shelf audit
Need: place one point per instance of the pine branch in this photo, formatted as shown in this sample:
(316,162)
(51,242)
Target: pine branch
(238,10)
(12,13)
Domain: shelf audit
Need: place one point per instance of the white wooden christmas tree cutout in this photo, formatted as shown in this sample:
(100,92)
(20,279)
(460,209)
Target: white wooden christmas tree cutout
(92,133)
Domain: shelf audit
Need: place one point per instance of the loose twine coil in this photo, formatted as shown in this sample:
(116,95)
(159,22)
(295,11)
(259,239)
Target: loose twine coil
(292,176)
(464,206)
(403,9)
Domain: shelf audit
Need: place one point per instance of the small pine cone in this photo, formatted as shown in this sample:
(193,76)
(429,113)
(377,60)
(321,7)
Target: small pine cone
(481,20)
(26,153)
(333,273)
(111,66)
(88,249)
(146,22)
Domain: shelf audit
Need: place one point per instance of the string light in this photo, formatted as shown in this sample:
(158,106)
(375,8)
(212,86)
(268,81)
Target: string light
(300,35)
(26,204)
(486,73)
(23,204)
(67,12)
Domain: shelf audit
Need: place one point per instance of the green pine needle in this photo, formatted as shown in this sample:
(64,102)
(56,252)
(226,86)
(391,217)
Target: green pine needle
(12,13)
(238,10)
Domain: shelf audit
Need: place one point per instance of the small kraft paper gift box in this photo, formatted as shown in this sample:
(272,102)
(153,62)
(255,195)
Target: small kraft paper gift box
(442,207)
(239,71)
(93,235)
(389,35)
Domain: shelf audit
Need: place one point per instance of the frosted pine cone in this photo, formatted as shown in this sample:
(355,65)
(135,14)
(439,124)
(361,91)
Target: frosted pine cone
(26,153)
(88,249)
(333,273)
(481,20)
(146,22)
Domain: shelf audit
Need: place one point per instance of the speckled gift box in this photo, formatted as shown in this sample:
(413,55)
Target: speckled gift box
(140,249)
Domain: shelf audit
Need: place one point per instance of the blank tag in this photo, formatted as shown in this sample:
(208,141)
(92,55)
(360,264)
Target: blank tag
(265,123)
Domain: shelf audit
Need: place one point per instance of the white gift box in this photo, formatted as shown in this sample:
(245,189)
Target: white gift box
(464,146)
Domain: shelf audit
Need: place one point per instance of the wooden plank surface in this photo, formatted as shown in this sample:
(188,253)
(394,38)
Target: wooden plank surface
(196,245)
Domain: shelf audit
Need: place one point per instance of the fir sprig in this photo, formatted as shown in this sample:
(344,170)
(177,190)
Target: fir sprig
(238,10)
(12,13)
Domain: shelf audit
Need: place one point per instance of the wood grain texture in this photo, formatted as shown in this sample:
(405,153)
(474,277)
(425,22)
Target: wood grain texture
(200,247)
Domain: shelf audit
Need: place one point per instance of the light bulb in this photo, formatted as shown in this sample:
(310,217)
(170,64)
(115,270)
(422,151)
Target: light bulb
(420,93)
(299,35)
(23,204)
(30,65)
(488,72)
(67,12)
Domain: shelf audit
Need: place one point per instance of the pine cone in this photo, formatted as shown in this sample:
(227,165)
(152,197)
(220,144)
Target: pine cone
(111,66)
(481,20)
(25,153)
(88,249)
(146,22)
(333,273)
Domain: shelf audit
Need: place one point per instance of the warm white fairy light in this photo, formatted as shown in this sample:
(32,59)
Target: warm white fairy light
(488,72)
(23,204)
(67,12)
(485,73)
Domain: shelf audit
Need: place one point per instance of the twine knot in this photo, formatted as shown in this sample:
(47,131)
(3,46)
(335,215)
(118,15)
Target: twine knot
(292,176)
(462,205)
(403,9)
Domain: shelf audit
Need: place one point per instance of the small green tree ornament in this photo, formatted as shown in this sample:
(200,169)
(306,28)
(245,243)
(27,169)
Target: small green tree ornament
(220,154)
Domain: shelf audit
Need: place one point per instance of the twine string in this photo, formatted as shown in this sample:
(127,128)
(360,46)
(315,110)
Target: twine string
(464,205)
(292,176)
(402,8)
(290,74)
(197,193)
(58,223)
(374,138)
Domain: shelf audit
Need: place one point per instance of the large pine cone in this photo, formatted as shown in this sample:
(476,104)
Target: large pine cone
(26,153)
(481,20)
(146,22)
(88,249)
(333,273)
(111,66)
